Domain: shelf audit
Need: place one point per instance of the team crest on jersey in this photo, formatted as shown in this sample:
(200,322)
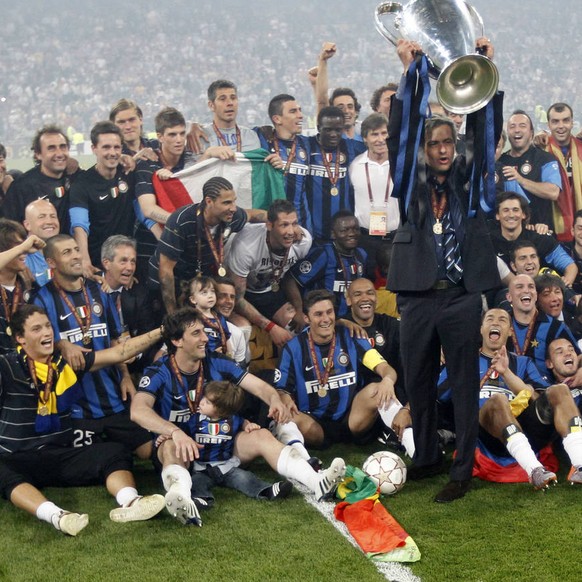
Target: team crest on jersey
(494,375)
(525,169)
(144,382)
(213,428)
(342,158)
(60,192)
(301,154)
(380,341)
(226,233)
(343,359)
(276,375)
(305,267)
(97,309)
(26,296)
(114,192)
(122,186)
(225,428)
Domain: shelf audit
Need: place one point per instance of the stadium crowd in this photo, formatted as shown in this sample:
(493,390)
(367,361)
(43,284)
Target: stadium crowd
(157,305)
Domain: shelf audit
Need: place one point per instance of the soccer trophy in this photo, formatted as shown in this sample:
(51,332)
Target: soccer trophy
(446,30)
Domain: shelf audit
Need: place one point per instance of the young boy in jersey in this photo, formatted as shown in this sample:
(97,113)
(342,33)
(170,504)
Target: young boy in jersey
(200,293)
(214,427)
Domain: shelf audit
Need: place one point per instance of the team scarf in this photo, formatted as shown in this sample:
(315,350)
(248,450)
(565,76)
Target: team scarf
(570,199)
(62,395)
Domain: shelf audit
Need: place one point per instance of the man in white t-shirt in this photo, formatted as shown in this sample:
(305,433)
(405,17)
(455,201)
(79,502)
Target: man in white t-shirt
(257,260)
(224,130)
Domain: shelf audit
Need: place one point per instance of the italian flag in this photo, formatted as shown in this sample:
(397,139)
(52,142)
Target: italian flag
(255,181)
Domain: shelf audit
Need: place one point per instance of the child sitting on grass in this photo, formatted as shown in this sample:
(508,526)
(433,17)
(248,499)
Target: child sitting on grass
(215,427)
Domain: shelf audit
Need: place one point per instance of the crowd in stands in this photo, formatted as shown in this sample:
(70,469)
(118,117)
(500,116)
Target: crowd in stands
(143,315)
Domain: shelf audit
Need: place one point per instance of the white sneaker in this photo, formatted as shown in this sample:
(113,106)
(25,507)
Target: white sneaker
(140,509)
(180,505)
(72,523)
(330,478)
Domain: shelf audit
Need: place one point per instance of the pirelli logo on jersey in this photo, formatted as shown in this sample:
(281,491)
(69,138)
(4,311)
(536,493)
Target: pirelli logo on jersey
(206,439)
(298,169)
(76,335)
(340,286)
(488,391)
(321,171)
(180,415)
(334,383)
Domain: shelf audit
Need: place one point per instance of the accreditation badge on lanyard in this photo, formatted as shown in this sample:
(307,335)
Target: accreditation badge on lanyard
(378,213)
(378,221)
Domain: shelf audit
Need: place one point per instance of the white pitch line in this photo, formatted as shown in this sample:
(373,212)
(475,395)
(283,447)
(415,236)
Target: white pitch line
(393,571)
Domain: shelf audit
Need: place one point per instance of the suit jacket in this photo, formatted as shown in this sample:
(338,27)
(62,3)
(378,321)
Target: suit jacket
(413,265)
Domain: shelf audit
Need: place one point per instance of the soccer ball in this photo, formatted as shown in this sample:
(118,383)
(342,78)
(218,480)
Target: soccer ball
(387,470)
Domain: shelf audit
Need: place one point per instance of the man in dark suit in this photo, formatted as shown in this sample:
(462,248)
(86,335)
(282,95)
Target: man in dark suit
(442,258)
(138,313)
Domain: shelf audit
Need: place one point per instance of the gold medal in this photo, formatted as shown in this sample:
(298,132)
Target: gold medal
(43,410)
(334,191)
(221,271)
(86,339)
(437,227)
(275,286)
(9,331)
(322,392)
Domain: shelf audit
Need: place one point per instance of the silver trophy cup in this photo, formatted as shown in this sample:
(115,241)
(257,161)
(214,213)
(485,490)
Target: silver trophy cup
(446,30)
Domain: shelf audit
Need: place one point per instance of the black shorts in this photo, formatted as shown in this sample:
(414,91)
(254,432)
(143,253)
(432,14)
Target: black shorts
(63,466)
(538,433)
(334,431)
(267,304)
(117,428)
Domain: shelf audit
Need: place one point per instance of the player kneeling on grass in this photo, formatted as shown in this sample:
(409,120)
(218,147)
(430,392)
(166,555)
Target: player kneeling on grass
(167,403)
(37,389)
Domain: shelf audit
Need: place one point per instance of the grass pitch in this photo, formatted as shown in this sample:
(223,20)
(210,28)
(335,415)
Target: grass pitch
(496,533)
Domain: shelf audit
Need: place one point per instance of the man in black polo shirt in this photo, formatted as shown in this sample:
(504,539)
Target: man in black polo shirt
(48,179)
(535,170)
(193,241)
(102,199)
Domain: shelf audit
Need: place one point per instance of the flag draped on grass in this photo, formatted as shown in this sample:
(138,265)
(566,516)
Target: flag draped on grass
(256,183)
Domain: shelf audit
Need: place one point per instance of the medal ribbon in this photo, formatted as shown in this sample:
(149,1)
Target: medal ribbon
(222,140)
(290,155)
(192,402)
(322,377)
(513,333)
(16,300)
(333,178)
(74,310)
(277,271)
(217,253)
(217,325)
(438,206)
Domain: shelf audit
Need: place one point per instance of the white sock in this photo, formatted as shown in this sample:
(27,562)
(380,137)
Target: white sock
(573,446)
(49,512)
(290,464)
(176,474)
(519,448)
(289,434)
(407,441)
(387,414)
(125,496)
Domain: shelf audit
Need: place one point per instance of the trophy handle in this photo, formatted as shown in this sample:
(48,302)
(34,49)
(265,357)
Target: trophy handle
(393,9)
(477,20)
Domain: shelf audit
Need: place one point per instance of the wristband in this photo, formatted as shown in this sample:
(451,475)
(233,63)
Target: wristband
(269,326)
